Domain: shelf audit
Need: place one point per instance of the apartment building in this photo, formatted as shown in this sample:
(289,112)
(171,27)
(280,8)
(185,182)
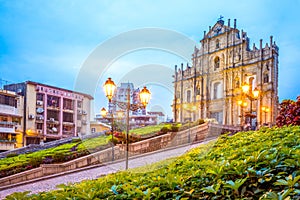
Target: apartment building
(52,113)
(10,120)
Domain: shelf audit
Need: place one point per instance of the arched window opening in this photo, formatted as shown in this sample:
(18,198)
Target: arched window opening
(216,63)
(251,83)
(266,78)
(217,43)
(188,96)
(237,82)
(217,93)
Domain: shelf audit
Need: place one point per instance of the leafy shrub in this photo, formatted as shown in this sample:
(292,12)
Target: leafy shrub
(11,155)
(289,113)
(35,161)
(247,165)
(76,140)
(165,129)
(200,121)
(58,156)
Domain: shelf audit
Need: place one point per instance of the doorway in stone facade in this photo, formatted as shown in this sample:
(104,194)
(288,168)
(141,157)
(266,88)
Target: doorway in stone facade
(218,116)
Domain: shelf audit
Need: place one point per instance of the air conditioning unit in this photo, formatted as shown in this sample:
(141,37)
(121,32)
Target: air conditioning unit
(19,91)
(79,112)
(39,103)
(39,117)
(84,112)
(51,119)
(31,116)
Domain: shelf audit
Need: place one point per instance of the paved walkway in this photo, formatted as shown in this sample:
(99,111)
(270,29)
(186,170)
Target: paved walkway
(94,173)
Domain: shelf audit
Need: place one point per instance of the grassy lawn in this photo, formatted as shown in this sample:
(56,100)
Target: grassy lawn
(147,129)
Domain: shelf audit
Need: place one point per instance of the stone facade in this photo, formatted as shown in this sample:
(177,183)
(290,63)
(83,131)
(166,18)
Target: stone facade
(222,64)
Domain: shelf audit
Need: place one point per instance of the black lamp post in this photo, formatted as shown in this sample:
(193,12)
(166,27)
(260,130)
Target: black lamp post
(252,96)
(265,109)
(109,89)
(111,118)
(189,109)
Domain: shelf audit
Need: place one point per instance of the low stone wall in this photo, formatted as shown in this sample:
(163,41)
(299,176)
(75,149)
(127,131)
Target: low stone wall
(172,139)
(50,169)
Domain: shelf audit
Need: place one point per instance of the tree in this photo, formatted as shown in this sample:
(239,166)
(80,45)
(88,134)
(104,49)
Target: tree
(289,113)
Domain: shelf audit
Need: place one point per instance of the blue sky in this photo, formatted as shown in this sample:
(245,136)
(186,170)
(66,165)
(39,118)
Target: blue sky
(48,41)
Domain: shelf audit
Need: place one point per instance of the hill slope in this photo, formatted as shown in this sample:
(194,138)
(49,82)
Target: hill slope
(263,164)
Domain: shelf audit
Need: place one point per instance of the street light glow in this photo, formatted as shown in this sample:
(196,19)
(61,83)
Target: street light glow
(246,88)
(145,96)
(109,88)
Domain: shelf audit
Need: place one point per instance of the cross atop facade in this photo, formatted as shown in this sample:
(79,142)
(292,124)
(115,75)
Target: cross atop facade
(220,18)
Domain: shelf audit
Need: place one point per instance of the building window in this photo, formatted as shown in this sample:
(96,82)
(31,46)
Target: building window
(79,104)
(178,95)
(7,100)
(251,83)
(68,104)
(68,117)
(39,126)
(39,97)
(217,44)
(217,90)
(266,78)
(198,91)
(188,96)
(216,63)
(93,130)
(237,82)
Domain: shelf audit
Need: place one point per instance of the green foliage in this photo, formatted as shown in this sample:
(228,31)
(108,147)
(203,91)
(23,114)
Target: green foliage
(188,124)
(248,165)
(11,155)
(17,163)
(147,129)
(165,129)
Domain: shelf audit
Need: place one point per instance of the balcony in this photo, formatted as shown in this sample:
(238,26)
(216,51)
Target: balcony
(53,108)
(69,110)
(68,133)
(9,110)
(7,145)
(8,127)
(52,121)
(68,123)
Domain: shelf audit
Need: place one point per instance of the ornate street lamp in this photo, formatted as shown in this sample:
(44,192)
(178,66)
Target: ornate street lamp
(103,112)
(145,96)
(109,89)
(252,96)
(245,88)
(265,110)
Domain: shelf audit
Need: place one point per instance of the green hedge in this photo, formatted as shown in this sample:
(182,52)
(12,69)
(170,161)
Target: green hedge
(261,164)
(18,163)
